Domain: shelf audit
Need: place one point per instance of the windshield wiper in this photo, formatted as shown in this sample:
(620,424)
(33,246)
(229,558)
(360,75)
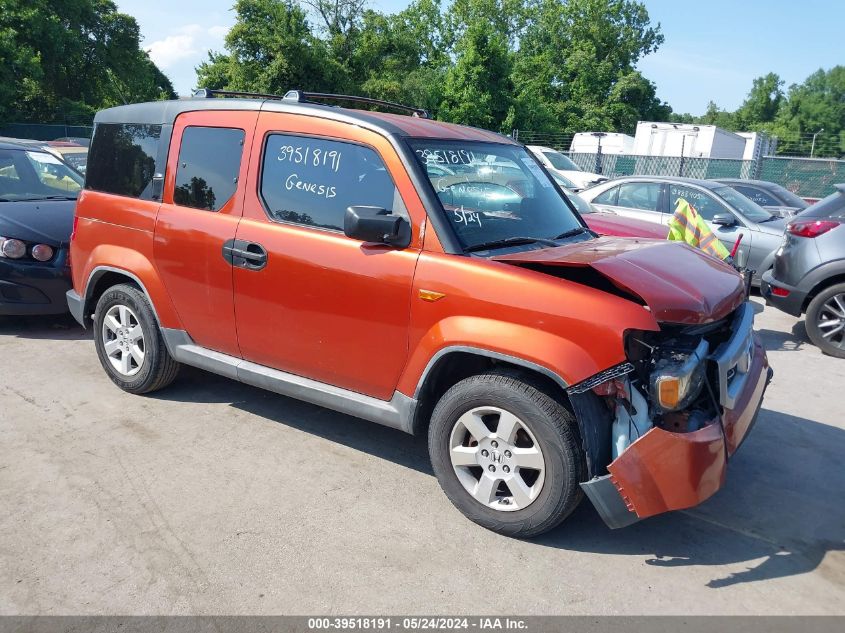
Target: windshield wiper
(51,198)
(509,241)
(573,232)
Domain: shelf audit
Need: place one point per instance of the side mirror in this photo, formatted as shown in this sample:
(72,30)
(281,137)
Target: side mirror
(374,224)
(724,219)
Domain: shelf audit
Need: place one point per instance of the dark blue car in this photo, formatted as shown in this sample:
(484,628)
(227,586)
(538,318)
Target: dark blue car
(37,199)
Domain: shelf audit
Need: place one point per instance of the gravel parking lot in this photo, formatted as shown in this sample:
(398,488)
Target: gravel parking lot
(214,497)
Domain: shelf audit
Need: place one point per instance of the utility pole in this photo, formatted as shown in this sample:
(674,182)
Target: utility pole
(813,145)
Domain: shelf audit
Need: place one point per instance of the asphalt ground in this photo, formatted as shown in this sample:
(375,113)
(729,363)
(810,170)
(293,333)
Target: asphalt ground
(212,497)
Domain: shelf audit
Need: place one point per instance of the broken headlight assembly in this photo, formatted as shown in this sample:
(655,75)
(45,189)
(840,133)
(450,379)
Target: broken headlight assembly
(677,377)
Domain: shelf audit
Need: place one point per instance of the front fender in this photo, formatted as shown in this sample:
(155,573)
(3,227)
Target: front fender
(561,359)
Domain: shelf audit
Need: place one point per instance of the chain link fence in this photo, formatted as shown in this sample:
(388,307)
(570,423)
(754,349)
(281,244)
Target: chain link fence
(807,177)
(44,131)
(561,142)
(615,165)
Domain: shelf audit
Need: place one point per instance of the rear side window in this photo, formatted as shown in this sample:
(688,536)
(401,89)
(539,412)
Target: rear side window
(209,163)
(312,181)
(758,195)
(640,195)
(122,159)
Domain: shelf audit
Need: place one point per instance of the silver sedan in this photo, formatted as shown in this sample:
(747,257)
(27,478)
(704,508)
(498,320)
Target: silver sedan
(729,213)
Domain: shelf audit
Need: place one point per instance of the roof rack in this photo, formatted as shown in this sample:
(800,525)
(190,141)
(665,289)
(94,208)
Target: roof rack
(208,93)
(300,96)
(309,97)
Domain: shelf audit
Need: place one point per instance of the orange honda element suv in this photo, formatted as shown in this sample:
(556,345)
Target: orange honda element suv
(422,275)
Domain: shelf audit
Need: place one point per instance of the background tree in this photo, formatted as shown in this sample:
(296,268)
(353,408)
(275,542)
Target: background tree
(64,59)
(793,117)
(577,60)
(817,104)
(478,86)
(545,65)
(402,57)
(270,49)
(763,103)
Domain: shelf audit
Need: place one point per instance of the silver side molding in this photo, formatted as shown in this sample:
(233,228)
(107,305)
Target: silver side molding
(397,413)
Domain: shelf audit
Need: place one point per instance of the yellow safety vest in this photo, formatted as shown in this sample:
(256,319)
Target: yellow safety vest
(688,226)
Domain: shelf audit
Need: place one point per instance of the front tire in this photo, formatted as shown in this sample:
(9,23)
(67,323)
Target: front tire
(129,342)
(826,320)
(507,453)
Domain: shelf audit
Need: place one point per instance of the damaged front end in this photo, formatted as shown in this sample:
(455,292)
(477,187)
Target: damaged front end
(658,430)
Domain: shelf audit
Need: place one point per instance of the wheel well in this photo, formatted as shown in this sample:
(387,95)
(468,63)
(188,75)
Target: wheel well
(453,367)
(826,283)
(100,285)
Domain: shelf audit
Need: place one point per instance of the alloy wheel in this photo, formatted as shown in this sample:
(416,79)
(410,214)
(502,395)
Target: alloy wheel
(497,459)
(831,320)
(123,340)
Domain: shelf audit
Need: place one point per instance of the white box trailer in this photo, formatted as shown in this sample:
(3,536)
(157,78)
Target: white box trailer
(702,141)
(611,143)
(758,144)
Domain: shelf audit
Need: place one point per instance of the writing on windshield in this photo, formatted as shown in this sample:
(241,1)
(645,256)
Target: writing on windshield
(491,191)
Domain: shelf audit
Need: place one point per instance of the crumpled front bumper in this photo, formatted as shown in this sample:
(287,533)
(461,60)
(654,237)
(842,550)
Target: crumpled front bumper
(664,471)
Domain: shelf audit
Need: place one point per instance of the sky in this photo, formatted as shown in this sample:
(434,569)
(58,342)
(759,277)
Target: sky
(713,48)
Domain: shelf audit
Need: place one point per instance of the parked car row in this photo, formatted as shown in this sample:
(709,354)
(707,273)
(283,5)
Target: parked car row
(637,207)
(38,194)
(797,252)
(729,213)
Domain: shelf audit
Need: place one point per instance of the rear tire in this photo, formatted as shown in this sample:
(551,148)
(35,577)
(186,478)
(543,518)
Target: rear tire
(826,320)
(535,470)
(129,342)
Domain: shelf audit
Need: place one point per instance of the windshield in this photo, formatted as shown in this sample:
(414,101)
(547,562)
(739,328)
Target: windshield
(33,175)
(77,160)
(790,198)
(559,161)
(563,181)
(751,210)
(494,192)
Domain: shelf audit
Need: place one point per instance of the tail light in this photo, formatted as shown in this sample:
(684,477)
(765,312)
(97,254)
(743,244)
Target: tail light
(810,228)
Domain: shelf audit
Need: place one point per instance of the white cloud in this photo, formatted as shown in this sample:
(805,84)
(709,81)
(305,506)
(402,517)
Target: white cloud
(218,31)
(188,41)
(178,51)
(172,48)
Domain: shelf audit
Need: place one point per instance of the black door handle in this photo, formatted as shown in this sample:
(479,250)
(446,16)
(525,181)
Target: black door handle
(244,254)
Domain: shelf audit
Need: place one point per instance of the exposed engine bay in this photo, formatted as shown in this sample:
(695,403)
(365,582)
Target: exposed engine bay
(668,382)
